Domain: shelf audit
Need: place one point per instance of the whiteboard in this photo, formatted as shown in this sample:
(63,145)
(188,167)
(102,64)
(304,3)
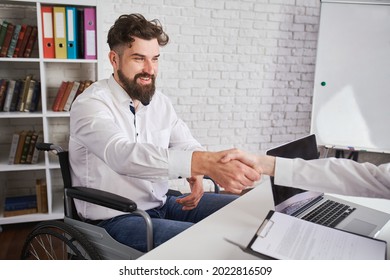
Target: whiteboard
(351,98)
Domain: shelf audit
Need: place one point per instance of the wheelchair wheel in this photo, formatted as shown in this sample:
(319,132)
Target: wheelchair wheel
(55,240)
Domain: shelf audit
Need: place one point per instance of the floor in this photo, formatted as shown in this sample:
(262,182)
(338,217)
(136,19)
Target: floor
(12,239)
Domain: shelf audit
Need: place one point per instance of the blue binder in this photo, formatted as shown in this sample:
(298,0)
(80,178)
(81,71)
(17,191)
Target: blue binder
(71,32)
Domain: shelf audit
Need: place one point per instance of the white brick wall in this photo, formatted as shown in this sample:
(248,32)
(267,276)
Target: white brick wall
(240,73)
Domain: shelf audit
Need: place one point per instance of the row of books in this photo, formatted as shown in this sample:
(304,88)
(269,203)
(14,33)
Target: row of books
(17,40)
(28,204)
(22,95)
(67,93)
(23,149)
(69,32)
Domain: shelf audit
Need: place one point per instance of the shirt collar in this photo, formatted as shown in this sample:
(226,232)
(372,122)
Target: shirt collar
(120,94)
(117,91)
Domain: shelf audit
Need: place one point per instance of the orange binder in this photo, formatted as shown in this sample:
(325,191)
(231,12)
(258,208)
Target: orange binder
(90,33)
(60,32)
(47,32)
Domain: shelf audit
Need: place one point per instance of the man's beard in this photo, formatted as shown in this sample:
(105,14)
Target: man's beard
(143,93)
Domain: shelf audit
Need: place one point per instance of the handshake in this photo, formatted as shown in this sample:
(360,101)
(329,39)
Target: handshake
(234,169)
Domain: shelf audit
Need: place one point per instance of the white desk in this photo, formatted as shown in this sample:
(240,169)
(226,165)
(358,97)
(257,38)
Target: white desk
(237,222)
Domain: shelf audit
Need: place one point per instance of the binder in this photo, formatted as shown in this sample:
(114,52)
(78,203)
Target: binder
(47,32)
(80,33)
(59,32)
(90,33)
(71,32)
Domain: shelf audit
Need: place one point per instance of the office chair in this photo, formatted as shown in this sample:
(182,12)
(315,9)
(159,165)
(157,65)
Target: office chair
(74,238)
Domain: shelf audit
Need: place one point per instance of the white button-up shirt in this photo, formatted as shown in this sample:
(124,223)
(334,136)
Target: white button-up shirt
(340,176)
(132,155)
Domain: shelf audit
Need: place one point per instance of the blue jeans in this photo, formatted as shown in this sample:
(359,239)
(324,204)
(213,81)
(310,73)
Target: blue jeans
(168,220)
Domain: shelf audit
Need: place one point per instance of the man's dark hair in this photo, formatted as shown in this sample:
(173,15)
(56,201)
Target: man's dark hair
(126,27)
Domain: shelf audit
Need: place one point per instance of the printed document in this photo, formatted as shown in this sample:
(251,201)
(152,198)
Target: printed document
(281,236)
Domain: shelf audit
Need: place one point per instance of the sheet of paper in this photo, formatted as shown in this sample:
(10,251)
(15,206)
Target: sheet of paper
(287,237)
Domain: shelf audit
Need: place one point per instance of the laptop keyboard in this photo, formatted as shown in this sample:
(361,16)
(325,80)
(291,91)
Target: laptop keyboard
(330,213)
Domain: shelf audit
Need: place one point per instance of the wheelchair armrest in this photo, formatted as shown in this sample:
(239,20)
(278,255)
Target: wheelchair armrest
(102,198)
(216,187)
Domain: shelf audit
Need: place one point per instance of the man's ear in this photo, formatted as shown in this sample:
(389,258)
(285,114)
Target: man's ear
(114,59)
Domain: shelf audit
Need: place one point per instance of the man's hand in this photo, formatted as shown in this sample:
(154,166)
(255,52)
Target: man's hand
(190,201)
(233,175)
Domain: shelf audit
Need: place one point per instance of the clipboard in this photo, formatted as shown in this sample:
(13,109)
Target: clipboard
(281,236)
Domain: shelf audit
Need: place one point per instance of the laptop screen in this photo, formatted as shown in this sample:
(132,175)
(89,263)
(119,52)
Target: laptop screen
(305,148)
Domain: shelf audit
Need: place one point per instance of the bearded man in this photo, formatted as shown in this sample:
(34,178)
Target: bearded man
(126,138)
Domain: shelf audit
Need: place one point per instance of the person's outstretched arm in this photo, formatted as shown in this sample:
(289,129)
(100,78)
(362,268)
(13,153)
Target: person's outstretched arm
(333,175)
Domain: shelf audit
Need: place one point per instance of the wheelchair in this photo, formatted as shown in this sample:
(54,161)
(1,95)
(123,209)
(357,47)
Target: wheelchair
(76,239)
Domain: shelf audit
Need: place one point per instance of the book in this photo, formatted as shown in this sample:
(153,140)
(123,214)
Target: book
(19,148)
(15,96)
(87,84)
(24,42)
(3,92)
(60,94)
(41,193)
(7,40)
(29,96)
(47,32)
(23,94)
(281,236)
(20,202)
(31,42)
(14,146)
(14,40)
(80,89)
(26,146)
(20,40)
(9,95)
(31,147)
(36,97)
(71,96)
(3,31)
(66,95)
(35,156)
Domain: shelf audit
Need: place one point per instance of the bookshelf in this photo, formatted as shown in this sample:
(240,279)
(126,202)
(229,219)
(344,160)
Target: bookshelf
(20,179)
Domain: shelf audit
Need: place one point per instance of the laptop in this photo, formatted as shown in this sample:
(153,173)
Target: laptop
(318,207)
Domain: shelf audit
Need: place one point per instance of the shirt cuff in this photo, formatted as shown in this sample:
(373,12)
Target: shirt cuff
(283,171)
(180,164)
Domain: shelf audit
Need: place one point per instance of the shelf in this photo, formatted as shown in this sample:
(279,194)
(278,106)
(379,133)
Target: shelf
(18,115)
(5,167)
(17,178)
(18,59)
(31,218)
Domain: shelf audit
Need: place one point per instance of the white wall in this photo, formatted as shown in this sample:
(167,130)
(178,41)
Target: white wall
(240,73)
